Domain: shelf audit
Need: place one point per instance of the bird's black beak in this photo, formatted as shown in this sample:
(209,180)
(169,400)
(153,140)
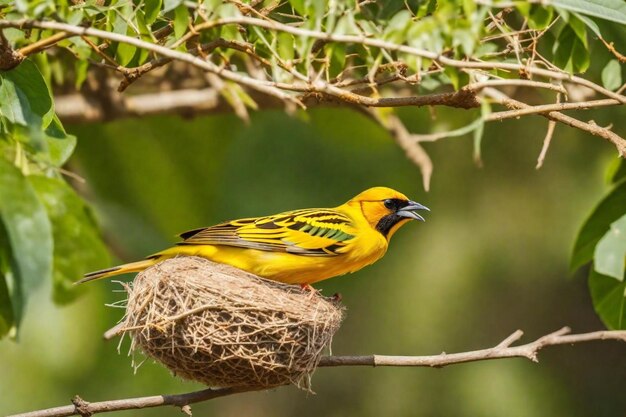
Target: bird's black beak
(409,210)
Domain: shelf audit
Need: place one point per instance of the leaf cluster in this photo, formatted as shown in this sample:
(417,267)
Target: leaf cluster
(47,232)
(602,241)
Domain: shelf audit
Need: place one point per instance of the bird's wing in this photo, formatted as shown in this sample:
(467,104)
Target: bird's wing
(310,232)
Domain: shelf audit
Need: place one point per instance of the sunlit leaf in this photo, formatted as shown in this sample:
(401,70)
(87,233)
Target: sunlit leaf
(125,53)
(610,253)
(590,24)
(609,299)
(24,95)
(298,6)
(611,208)
(426,7)
(181,20)
(579,29)
(152,8)
(612,75)
(616,171)
(169,5)
(613,10)
(396,27)
(285,46)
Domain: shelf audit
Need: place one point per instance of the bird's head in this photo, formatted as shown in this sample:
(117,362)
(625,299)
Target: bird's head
(386,210)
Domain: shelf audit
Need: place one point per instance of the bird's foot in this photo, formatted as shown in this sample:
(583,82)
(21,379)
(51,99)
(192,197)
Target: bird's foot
(307,287)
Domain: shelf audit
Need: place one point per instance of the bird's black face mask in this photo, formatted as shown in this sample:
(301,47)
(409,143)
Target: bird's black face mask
(400,210)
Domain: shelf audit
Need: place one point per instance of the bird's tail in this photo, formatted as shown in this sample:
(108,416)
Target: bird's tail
(118,270)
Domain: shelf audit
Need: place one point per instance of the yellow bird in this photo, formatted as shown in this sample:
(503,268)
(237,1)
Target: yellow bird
(296,247)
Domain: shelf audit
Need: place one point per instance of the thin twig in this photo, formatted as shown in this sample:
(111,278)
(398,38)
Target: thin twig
(43,43)
(547,139)
(133,74)
(546,143)
(547,108)
(594,129)
(500,351)
(609,45)
(516,83)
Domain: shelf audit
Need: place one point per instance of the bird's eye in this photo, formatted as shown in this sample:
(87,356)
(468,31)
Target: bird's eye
(389,203)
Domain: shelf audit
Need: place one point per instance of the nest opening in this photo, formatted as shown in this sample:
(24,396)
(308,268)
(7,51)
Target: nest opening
(224,327)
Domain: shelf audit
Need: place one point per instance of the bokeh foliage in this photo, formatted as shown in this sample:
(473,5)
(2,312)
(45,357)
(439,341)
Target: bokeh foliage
(44,222)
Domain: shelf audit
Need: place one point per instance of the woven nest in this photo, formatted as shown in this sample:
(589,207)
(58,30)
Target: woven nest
(224,327)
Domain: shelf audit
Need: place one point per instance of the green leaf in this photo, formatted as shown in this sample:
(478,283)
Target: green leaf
(457,78)
(611,208)
(7,318)
(612,75)
(396,28)
(125,53)
(540,17)
(581,58)
(298,6)
(152,8)
(613,10)
(616,171)
(60,144)
(426,7)
(610,252)
(579,29)
(285,46)
(80,68)
(609,299)
(337,54)
(169,5)
(29,234)
(571,52)
(7,321)
(78,247)
(24,95)
(181,20)
(590,24)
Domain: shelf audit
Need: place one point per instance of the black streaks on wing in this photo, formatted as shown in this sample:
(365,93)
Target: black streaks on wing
(280,233)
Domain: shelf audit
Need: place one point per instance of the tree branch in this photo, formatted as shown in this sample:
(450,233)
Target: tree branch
(43,44)
(378,43)
(594,129)
(547,108)
(275,88)
(500,351)
(83,107)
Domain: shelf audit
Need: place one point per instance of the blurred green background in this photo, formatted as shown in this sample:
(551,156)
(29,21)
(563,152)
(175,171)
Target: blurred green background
(492,257)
